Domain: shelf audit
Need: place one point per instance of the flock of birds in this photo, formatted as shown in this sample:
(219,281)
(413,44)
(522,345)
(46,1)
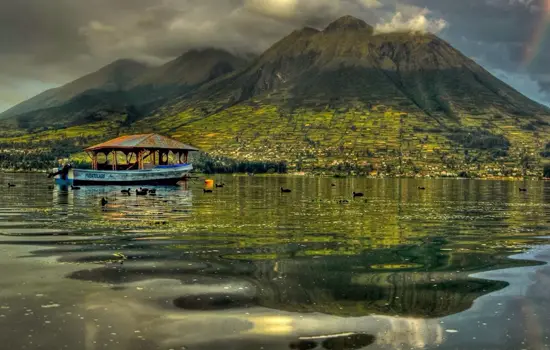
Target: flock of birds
(139,192)
(283,190)
(152,192)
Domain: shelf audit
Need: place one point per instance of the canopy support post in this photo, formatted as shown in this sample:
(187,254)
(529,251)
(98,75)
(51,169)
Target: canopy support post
(114,160)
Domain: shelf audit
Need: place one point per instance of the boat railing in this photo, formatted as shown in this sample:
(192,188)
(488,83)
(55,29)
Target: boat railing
(134,166)
(170,166)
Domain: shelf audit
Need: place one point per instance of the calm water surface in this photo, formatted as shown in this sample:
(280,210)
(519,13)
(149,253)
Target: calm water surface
(460,265)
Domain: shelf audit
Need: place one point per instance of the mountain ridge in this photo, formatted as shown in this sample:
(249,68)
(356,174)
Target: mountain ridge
(123,83)
(345,96)
(112,77)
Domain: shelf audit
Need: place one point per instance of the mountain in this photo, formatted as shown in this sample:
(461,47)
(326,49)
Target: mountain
(347,62)
(348,98)
(114,77)
(192,68)
(119,87)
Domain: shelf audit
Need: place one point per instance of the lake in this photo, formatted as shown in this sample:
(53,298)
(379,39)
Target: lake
(459,265)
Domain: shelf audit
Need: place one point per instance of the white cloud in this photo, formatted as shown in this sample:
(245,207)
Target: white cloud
(406,21)
(294,9)
(276,8)
(370,4)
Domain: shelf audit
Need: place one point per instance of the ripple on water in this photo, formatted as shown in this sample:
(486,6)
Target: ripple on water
(348,341)
(249,246)
(13,224)
(32,232)
(218,301)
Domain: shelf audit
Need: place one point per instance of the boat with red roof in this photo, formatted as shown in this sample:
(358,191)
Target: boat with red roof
(145,159)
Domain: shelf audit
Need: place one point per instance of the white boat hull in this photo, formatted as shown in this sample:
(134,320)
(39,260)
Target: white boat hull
(156,176)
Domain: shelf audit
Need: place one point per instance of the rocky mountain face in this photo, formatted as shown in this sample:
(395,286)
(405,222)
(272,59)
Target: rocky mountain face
(348,63)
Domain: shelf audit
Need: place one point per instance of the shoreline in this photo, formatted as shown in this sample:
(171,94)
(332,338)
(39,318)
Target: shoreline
(336,176)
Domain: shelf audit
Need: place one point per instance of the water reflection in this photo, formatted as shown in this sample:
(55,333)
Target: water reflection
(302,267)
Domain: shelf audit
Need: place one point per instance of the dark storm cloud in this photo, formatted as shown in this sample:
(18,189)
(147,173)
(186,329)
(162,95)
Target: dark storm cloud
(45,43)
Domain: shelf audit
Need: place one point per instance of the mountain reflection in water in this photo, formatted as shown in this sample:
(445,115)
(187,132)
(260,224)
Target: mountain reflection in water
(249,262)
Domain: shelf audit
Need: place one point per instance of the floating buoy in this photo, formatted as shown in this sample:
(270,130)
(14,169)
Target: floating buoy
(209,183)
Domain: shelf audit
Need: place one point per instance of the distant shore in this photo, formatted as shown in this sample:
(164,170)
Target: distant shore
(336,176)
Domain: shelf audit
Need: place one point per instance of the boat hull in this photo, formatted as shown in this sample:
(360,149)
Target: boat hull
(157,176)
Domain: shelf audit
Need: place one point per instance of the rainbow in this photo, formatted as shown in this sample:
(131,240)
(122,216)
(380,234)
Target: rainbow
(533,48)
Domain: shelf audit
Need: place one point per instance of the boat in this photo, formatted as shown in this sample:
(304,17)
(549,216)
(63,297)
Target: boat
(144,159)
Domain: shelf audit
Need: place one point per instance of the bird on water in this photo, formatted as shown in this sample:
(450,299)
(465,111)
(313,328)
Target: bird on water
(522,189)
(126,191)
(11,185)
(285,190)
(141,192)
(207,191)
(104,202)
(421,188)
(220,185)
(358,194)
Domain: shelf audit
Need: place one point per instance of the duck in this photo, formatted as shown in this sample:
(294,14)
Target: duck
(522,189)
(144,189)
(220,185)
(141,192)
(343,201)
(152,192)
(207,191)
(121,257)
(285,190)
(358,194)
(11,185)
(126,191)
(333,185)
(74,188)
(104,202)
(421,188)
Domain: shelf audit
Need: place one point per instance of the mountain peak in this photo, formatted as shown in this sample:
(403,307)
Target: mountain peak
(124,63)
(348,23)
(202,52)
(193,68)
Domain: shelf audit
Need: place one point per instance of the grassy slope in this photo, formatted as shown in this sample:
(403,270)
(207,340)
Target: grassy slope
(383,137)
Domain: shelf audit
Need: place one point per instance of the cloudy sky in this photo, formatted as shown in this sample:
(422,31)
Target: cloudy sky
(45,43)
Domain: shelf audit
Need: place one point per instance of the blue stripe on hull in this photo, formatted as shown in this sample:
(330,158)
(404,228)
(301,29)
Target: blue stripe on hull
(163,182)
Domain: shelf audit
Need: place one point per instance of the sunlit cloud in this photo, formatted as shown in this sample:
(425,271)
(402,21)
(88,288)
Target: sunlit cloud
(419,22)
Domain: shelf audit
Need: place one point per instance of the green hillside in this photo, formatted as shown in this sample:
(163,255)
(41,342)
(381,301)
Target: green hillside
(343,99)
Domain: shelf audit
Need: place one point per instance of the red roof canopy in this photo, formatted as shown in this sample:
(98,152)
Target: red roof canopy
(142,141)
